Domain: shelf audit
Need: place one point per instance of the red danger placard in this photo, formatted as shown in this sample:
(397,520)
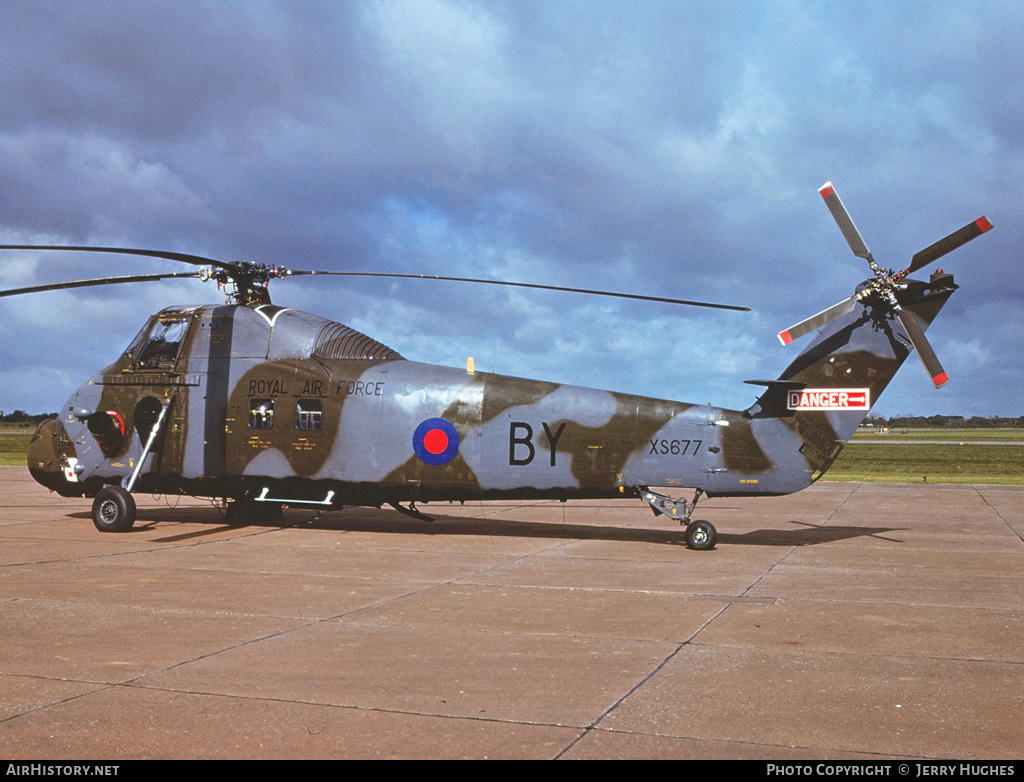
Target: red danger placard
(830,399)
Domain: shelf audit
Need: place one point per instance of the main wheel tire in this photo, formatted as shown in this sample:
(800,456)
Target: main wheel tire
(701,535)
(113,510)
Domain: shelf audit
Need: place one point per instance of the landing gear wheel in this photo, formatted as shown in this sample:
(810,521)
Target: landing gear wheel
(701,535)
(113,510)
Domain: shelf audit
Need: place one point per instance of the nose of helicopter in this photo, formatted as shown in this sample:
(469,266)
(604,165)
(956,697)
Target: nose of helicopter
(44,462)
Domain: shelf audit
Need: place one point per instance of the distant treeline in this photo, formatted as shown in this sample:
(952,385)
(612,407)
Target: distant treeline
(945,422)
(21,417)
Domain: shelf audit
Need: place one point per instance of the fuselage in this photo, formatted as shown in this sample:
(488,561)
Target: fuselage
(269,397)
(262,401)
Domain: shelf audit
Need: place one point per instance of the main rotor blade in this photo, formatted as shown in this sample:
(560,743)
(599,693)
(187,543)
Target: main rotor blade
(195,260)
(956,239)
(815,322)
(845,222)
(237,269)
(101,281)
(530,285)
(923,348)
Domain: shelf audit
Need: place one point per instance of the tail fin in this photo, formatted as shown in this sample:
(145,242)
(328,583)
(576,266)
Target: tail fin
(828,390)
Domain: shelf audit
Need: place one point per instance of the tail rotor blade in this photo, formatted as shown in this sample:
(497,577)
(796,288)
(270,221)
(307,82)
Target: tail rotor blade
(845,222)
(888,289)
(923,348)
(815,322)
(948,244)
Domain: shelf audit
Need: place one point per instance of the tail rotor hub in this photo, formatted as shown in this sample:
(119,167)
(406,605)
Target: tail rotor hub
(886,283)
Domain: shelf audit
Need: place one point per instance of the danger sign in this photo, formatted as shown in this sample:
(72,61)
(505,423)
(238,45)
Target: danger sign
(830,399)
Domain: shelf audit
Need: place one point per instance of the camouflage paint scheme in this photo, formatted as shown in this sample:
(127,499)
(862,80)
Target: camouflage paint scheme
(272,403)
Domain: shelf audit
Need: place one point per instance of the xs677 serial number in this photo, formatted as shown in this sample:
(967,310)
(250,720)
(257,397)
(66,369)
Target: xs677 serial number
(674,447)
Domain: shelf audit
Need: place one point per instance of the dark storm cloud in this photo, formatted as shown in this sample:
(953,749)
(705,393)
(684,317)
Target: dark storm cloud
(655,148)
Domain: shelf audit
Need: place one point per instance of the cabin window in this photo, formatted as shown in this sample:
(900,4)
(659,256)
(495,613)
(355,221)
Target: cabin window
(309,415)
(261,413)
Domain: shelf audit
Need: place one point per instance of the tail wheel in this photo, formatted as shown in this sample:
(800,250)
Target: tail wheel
(701,535)
(113,510)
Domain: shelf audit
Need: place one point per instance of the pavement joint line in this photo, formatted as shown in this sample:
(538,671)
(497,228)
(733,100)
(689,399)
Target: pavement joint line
(729,601)
(650,675)
(995,510)
(735,599)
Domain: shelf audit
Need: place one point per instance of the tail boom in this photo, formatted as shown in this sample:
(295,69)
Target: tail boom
(805,417)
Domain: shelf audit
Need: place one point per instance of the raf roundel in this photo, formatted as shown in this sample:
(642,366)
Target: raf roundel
(435,441)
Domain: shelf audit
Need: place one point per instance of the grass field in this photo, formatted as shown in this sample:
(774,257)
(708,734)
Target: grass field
(943,435)
(901,458)
(933,456)
(14,443)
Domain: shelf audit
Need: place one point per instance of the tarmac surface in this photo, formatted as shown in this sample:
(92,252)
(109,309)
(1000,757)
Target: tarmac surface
(850,621)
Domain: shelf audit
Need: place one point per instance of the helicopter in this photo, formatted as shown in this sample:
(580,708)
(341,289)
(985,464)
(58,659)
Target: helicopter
(261,406)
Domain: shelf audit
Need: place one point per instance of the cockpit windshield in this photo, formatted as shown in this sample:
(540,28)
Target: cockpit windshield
(159,350)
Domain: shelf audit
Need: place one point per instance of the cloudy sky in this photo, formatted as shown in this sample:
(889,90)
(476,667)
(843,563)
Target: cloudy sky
(668,148)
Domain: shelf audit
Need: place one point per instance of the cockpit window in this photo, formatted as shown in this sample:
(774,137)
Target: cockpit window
(134,347)
(160,349)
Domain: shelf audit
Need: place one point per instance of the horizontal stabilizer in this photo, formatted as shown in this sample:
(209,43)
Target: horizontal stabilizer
(776,383)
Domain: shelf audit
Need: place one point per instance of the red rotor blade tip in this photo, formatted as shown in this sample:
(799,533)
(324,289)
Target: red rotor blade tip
(827,190)
(983,223)
(940,380)
(785,338)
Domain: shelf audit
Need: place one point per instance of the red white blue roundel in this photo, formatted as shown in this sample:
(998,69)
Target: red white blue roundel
(435,441)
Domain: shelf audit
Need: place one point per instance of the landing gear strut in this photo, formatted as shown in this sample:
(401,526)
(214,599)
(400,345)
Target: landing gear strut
(114,510)
(700,535)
